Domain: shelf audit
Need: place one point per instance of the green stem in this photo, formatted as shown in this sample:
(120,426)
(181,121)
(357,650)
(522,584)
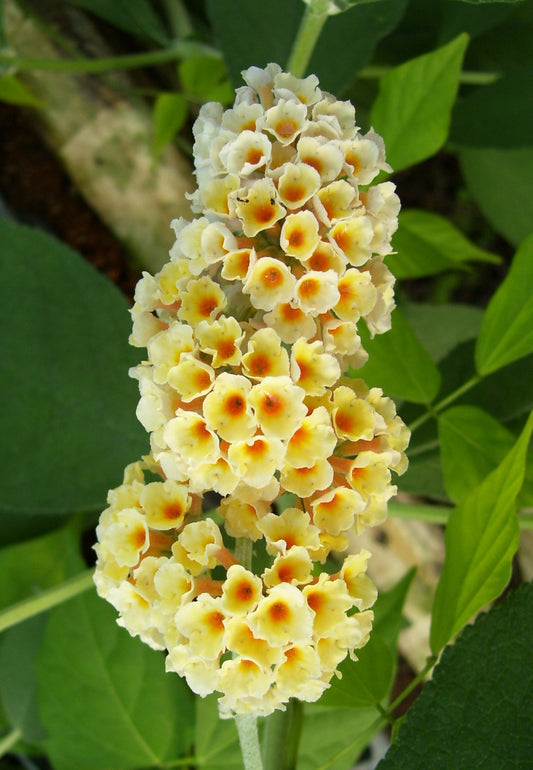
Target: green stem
(9,740)
(180,50)
(249,741)
(178,18)
(468,78)
(314,18)
(243,552)
(439,514)
(281,737)
(46,600)
(434,410)
(430,662)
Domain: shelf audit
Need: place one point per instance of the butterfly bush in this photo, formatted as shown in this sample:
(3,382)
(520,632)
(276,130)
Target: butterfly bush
(256,432)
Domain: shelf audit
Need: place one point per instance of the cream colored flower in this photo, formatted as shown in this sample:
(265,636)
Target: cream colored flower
(282,617)
(269,283)
(227,410)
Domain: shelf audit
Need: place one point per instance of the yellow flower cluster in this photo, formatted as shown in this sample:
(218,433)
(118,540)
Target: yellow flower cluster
(249,330)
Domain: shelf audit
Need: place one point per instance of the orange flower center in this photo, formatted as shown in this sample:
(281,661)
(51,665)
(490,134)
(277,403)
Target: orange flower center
(279,612)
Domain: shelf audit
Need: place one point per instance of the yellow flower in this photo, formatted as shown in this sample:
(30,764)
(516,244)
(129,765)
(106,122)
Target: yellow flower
(299,235)
(269,283)
(282,617)
(165,504)
(278,405)
(227,410)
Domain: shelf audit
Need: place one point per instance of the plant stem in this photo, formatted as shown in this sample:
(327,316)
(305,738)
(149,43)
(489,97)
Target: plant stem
(9,740)
(468,78)
(179,50)
(430,662)
(314,18)
(178,18)
(243,552)
(249,741)
(281,737)
(434,410)
(46,600)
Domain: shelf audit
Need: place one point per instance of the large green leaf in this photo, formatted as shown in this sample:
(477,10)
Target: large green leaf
(18,650)
(68,406)
(216,741)
(30,567)
(137,18)
(472,444)
(477,710)
(334,738)
(413,108)
(236,24)
(507,329)
(481,539)
(399,364)
(482,2)
(426,244)
(502,185)
(104,697)
(352,35)
(497,115)
(441,328)
(25,570)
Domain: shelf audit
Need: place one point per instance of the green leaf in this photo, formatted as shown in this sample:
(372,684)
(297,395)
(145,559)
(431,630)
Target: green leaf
(30,567)
(498,114)
(500,182)
(236,24)
(413,108)
(137,18)
(203,76)
(399,364)
(104,697)
(68,406)
(481,539)
(424,475)
(170,114)
(216,740)
(472,444)
(18,651)
(477,710)
(388,610)
(25,570)
(367,681)
(352,35)
(427,244)
(483,2)
(13,91)
(507,329)
(333,738)
(441,328)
